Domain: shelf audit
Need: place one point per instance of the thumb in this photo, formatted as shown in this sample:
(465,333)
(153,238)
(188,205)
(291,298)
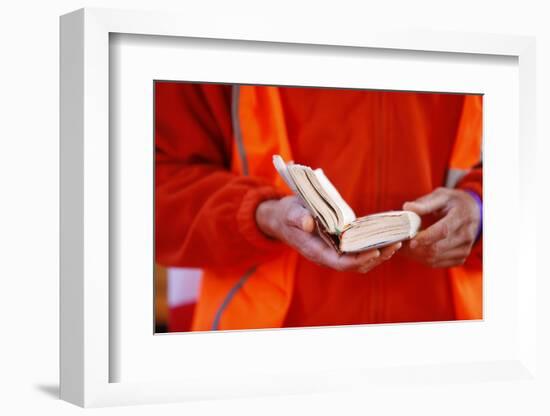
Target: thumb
(308,225)
(427,204)
(300,218)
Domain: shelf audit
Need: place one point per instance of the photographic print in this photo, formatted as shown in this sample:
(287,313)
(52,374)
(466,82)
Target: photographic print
(285,207)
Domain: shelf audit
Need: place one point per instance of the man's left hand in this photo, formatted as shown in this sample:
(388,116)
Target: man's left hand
(448,241)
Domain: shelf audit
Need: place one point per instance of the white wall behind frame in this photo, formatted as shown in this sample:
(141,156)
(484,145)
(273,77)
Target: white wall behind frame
(29,172)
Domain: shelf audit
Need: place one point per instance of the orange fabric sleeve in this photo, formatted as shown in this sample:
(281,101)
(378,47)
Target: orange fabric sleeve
(204,214)
(467,155)
(473,181)
(467,280)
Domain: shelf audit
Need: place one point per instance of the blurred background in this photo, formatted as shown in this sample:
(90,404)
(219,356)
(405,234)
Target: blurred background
(176,292)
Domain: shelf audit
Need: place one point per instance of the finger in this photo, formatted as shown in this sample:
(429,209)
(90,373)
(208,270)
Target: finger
(387,252)
(452,254)
(367,267)
(458,261)
(349,262)
(427,204)
(316,249)
(352,261)
(431,256)
(437,232)
(300,218)
(365,257)
(455,242)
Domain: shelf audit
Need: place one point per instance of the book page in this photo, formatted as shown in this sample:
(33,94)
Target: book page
(315,202)
(379,230)
(330,189)
(280,165)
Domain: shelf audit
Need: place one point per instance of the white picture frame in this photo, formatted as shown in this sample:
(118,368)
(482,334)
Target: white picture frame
(86,304)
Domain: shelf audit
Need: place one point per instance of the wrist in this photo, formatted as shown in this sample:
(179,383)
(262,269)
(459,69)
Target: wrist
(479,207)
(246,218)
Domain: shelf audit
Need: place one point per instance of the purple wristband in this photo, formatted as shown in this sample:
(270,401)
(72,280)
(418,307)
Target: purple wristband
(480,208)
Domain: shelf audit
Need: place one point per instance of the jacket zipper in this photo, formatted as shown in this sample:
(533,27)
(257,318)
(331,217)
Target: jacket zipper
(380,127)
(383,159)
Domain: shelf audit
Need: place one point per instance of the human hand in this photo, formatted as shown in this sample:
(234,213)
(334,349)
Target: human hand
(288,221)
(448,241)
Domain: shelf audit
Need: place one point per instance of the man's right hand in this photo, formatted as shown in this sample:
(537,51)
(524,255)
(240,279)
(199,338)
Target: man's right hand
(288,221)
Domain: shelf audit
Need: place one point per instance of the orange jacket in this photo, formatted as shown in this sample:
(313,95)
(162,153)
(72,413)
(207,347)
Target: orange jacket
(214,147)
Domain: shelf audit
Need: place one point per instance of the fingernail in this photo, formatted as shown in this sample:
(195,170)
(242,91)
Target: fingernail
(398,246)
(377,253)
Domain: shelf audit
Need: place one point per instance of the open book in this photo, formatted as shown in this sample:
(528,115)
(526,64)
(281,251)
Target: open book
(336,221)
